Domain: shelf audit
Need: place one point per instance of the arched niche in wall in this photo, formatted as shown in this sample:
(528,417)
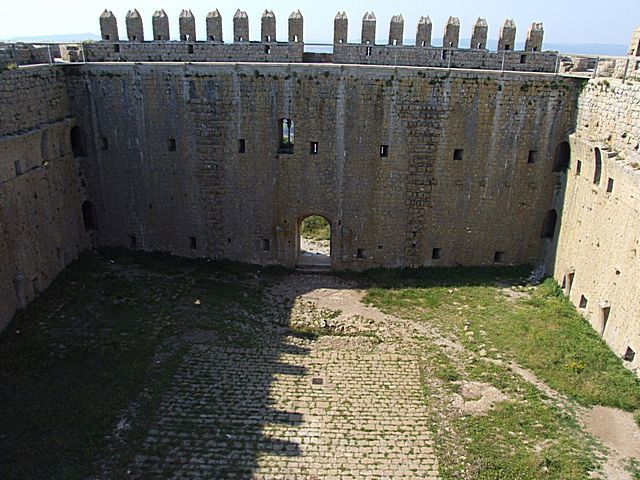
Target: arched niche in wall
(78,142)
(549,225)
(597,172)
(562,157)
(89,216)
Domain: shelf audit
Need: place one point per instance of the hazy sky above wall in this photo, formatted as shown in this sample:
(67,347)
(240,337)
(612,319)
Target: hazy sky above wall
(565,21)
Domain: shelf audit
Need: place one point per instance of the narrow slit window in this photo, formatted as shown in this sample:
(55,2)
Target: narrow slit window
(104,143)
(267,49)
(17,165)
(384,151)
(578,167)
(287,136)
(133,242)
(242,146)
(606,311)
(116,48)
(610,185)
(369,51)
(189,48)
(193,243)
(314,148)
(458,154)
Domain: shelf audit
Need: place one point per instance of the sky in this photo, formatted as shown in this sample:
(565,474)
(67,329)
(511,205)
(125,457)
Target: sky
(565,21)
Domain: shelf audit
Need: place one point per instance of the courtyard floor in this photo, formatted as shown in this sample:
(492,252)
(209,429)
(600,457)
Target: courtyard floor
(147,366)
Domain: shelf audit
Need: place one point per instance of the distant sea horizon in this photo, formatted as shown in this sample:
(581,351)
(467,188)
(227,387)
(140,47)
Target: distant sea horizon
(325,46)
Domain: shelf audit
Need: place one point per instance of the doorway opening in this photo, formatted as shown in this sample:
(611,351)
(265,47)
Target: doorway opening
(314,243)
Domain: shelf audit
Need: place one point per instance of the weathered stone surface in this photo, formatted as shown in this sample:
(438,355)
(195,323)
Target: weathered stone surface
(595,251)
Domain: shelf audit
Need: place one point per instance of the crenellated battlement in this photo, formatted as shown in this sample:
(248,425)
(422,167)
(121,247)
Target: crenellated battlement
(268,48)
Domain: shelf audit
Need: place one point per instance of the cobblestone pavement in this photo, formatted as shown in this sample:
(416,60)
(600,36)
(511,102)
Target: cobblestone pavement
(335,407)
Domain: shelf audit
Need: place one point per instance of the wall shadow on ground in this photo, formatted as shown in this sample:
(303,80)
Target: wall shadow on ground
(180,364)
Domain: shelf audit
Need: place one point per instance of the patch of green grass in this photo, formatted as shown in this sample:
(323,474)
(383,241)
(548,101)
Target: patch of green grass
(315,227)
(633,467)
(522,437)
(544,333)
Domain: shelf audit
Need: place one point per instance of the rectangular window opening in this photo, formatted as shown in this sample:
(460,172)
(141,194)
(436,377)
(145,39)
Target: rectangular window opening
(610,185)
(436,254)
(107,37)
(523,59)
(242,146)
(104,143)
(266,245)
(384,151)
(583,302)
(629,355)
(507,47)
(498,257)
(458,154)
(267,50)
(133,242)
(193,243)
(287,135)
(362,253)
(171,144)
(570,278)
(533,156)
(314,148)
(116,48)
(189,48)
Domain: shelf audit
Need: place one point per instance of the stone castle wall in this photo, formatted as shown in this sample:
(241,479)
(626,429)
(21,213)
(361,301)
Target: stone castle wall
(445,58)
(596,252)
(193,52)
(166,172)
(41,228)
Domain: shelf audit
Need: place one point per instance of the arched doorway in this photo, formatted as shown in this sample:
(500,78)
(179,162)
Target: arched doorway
(314,242)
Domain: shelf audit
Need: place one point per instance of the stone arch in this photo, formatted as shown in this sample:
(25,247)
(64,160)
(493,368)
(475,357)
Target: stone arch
(78,142)
(89,216)
(562,157)
(597,171)
(549,224)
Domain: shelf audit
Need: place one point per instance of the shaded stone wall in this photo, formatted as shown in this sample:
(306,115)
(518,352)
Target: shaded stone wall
(455,175)
(596,249)
(41,229)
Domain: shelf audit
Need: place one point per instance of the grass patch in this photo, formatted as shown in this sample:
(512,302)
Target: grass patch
(543,331)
